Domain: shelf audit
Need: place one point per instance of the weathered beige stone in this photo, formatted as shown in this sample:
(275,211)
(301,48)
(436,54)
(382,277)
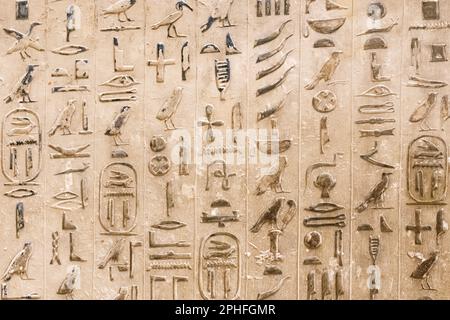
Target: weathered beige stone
(329,62)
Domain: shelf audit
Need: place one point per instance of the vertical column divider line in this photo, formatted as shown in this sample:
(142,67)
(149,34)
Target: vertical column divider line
(94,153)
(94,160)
(400,191)
(194,154)
(95,27)
(44,118)
(247,181)
(299,135)
(144,106)
(351,156)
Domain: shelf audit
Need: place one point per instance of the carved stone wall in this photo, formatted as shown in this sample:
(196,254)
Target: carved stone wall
(224,149)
